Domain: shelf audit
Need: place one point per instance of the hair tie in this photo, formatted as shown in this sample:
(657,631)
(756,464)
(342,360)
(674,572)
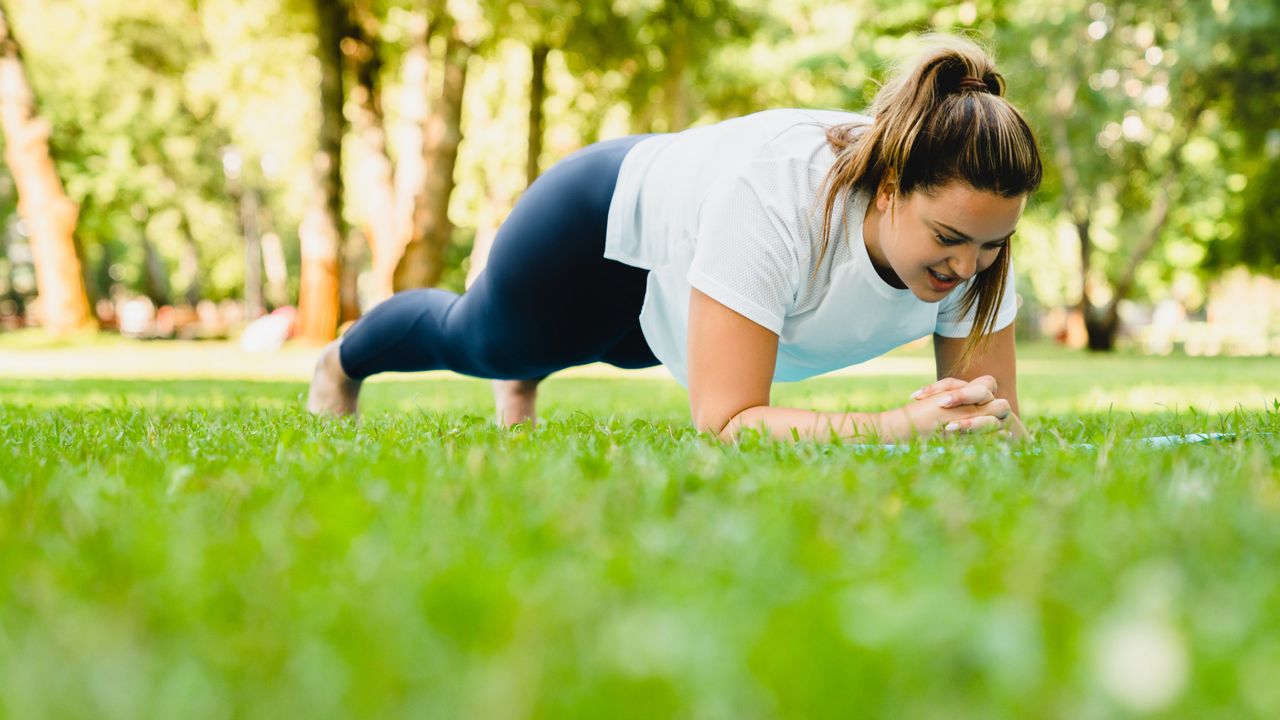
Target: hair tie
(973,83)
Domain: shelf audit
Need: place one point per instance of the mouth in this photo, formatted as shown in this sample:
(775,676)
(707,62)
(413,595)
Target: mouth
(941,282)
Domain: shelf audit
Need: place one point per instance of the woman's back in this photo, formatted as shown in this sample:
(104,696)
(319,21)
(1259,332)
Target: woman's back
(665,179)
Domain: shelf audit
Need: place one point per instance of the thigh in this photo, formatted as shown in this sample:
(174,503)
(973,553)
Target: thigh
(547,288)
(631,352)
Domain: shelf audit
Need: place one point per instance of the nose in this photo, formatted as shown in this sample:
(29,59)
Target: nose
(964,264)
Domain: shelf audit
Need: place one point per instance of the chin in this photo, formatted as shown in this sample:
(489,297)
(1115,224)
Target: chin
(928,295)
(926,292)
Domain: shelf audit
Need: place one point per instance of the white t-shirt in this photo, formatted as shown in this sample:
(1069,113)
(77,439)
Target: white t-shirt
(735,210)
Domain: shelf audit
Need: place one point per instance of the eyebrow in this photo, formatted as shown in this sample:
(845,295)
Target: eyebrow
(964,237)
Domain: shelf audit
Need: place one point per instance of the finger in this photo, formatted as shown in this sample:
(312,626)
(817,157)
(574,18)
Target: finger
(1016,428)
(998,408)
(984,423)
(972,394)
(943,385)
(986,381)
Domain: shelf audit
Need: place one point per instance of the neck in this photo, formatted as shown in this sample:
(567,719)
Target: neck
(871,238)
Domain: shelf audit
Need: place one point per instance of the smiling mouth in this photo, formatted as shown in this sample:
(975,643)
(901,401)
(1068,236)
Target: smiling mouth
(942,279)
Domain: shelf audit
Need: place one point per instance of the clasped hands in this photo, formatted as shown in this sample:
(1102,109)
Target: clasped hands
(952,406)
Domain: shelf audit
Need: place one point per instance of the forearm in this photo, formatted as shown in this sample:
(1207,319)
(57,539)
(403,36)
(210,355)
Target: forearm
(790,423)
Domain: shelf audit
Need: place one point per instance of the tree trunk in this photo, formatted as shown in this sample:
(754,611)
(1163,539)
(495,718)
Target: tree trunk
(1072,196)
(537,94)
(189,262)
(1098,335)
(1103,324)
(500,192)
(277,271)
(320,232)
(189,269)
(1086,259)
(673,90)
(155,275)
(1102,328)
(253,301)
(352,254)
(375,175)
(50,217)
(422,262)
(411,168)
(246,203)
(99,279)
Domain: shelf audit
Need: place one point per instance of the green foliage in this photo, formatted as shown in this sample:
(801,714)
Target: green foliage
(1255,242)
(206,549)
(146,97)
(136,150)
(1158,92)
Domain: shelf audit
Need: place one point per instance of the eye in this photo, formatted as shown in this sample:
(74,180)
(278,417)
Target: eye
(996,246)
(948,241)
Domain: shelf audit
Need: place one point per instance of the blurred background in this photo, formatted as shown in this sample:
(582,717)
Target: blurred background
(269,169)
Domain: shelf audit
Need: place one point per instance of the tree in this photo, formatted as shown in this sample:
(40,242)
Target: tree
(320,233)
(686,35)
(1248,95)
(49,215)
(384,222)
(137,136)
(1131,106)
(423,260)
(404,204)
(590,29)
(246,202)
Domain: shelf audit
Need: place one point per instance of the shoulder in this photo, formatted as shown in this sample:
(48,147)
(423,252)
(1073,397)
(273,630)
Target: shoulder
(801,134)
(782,149)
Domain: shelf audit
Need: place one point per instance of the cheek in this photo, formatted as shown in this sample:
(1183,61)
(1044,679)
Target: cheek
(888,228)
(986,260)
(911,246)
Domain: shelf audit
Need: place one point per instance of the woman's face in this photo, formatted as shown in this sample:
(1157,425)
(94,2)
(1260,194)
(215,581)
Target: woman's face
(930,242)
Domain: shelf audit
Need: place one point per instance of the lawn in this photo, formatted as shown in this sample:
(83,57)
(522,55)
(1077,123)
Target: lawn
(203,548)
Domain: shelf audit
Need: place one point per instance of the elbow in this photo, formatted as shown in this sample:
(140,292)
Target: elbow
(723,424)
(713,423)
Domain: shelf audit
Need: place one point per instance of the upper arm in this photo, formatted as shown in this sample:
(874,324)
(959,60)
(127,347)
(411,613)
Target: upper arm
(747,256)
(997,358)
(731,362)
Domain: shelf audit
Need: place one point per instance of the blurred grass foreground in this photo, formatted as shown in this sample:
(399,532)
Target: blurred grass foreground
(181,169)
(200,547)
(178,539)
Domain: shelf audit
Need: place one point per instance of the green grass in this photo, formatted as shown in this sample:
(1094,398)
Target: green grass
(205,549)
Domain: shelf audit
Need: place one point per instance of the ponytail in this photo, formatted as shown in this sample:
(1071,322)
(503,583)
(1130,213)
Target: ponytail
(939,119)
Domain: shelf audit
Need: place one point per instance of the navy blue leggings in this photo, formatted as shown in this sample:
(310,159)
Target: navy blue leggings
(547,300)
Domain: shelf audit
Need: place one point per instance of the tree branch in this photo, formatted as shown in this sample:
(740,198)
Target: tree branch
(1158,215)
(1073,196)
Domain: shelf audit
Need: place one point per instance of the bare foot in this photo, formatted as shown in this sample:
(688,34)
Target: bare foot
(332,392)
(515,400)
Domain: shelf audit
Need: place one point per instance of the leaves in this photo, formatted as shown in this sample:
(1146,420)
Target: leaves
(144,96)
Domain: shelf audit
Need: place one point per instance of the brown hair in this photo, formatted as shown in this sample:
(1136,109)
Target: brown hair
(941,118)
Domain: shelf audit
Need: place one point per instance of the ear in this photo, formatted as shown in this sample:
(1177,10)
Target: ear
(885,193)
(885,199)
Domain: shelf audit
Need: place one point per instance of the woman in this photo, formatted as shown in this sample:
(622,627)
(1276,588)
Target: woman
(771,247)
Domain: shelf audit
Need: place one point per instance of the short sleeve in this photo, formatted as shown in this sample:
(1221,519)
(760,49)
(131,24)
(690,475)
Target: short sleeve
(747,257)
(952,324)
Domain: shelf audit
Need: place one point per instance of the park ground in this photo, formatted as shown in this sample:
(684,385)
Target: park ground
(179,539)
